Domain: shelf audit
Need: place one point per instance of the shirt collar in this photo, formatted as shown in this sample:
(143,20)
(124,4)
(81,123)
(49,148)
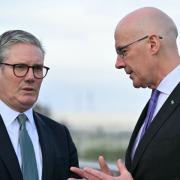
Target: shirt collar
(171,80)
(9,115)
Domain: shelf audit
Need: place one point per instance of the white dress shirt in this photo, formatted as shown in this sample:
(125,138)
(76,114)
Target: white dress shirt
(9,118)
(165,87)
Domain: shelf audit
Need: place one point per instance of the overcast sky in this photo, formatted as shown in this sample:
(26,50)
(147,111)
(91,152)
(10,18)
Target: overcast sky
(78,39)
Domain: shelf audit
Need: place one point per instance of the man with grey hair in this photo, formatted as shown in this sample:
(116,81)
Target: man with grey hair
(32,146)
(145,42)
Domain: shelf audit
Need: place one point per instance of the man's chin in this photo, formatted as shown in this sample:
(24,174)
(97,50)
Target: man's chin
(136,85)
(139,84)
(28,103)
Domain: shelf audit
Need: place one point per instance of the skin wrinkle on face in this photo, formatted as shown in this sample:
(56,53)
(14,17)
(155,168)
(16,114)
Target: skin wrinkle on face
(20,93)
(147,66)
(133,66)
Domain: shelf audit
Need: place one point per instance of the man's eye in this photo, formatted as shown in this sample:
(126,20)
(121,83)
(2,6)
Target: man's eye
(123,52)
(20,66)
(38,68)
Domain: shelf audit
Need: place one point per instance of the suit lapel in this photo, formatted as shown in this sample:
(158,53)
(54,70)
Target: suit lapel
(7,153)
(45,140)
(133,137)
(167,109)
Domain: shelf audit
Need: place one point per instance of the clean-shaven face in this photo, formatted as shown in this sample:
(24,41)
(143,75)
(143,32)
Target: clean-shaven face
(20,93)
(134,59)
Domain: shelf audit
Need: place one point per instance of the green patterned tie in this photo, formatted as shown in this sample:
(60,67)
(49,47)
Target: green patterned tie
(29,166)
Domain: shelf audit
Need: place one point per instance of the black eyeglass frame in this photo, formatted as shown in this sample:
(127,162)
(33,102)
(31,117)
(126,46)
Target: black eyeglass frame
(28,67)
(119,50)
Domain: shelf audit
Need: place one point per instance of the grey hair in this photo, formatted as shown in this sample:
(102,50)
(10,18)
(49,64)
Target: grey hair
(12,37)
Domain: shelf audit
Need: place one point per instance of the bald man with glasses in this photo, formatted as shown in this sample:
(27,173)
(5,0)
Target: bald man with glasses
(145,43)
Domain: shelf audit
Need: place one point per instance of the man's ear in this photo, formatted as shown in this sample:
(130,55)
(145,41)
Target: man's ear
(154,43)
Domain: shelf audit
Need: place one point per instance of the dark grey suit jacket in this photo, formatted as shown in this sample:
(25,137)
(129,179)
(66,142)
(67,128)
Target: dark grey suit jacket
(158,154)
(58,151)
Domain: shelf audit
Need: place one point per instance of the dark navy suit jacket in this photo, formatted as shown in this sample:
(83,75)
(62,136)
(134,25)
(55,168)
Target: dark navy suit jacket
(58,151)
(157,156)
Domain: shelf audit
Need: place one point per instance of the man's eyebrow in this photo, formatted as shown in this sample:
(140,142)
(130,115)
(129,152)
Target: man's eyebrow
(121,47)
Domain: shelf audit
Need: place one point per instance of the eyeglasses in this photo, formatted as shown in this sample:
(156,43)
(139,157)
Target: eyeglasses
(121,51)
(20,70)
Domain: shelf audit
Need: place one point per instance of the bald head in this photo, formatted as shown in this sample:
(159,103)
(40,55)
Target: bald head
(155,34)
(148,21)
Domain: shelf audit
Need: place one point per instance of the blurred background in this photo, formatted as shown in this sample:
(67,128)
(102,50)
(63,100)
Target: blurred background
(83,89)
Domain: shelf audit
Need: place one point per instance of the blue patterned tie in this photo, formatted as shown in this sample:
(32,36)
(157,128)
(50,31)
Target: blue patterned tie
(150,112)
(29,166)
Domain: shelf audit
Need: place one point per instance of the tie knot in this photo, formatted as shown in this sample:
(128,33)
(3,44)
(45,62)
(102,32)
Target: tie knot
(155,94)
(22,119)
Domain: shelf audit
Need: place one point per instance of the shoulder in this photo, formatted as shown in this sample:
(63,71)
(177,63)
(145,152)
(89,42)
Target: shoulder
(47,121)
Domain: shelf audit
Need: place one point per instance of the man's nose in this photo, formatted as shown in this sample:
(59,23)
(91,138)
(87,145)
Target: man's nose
(119,62)
(30,74)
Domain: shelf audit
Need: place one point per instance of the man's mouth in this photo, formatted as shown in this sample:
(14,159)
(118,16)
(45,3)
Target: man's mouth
(29,89)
